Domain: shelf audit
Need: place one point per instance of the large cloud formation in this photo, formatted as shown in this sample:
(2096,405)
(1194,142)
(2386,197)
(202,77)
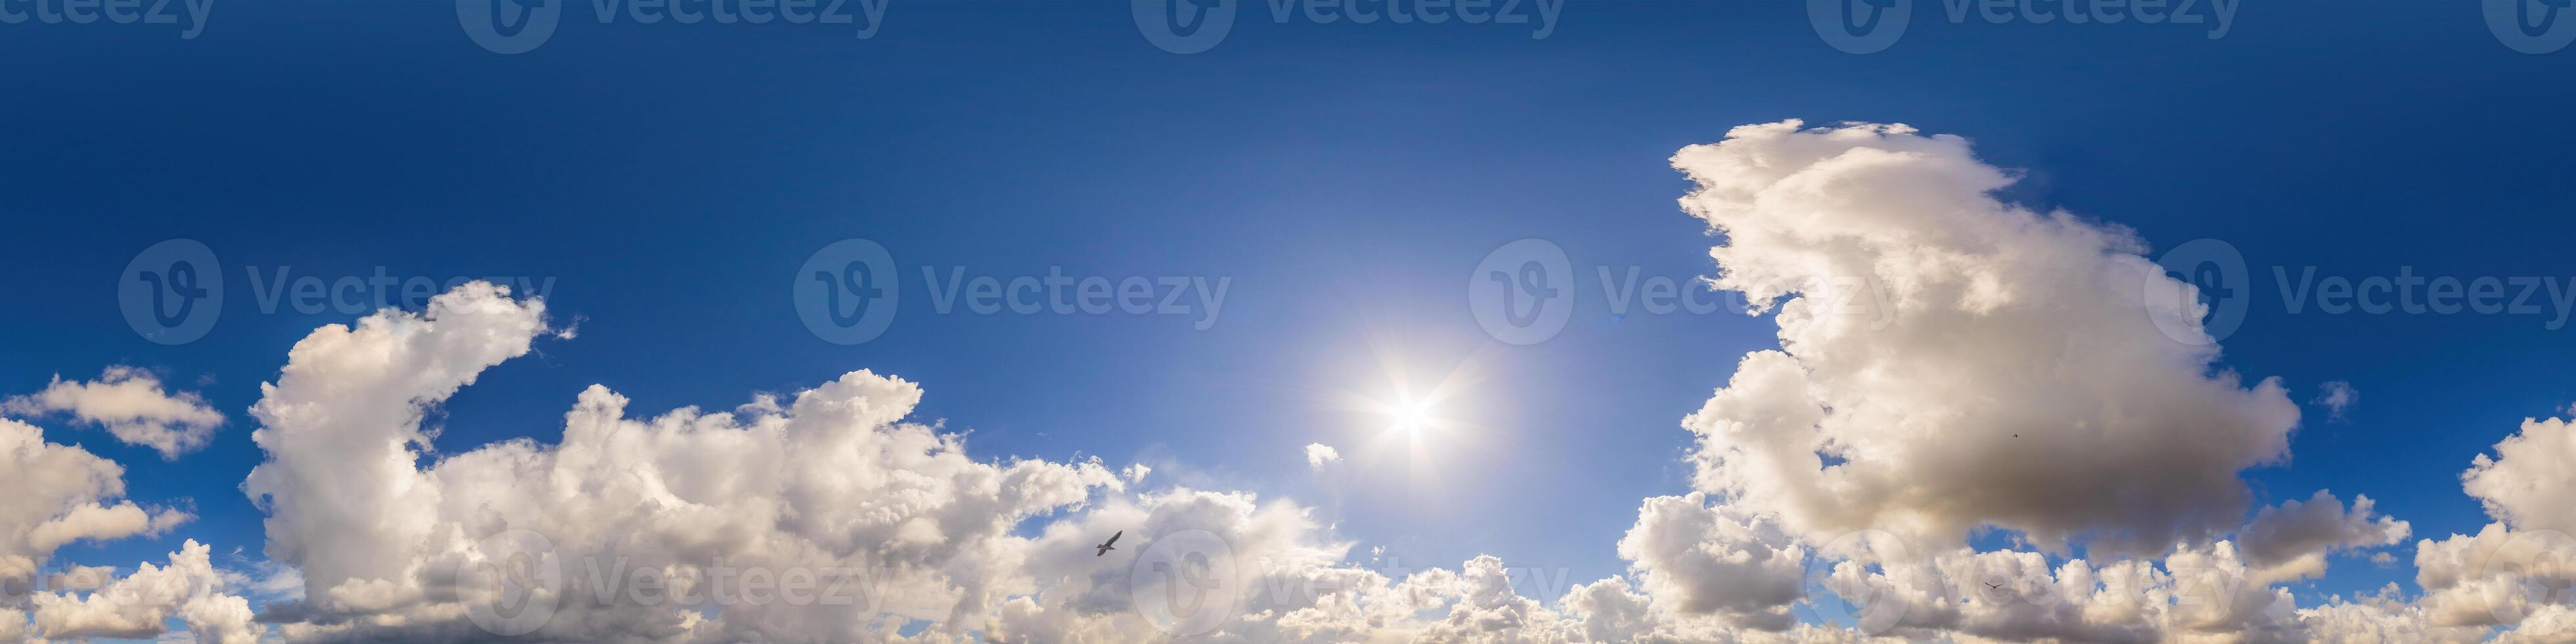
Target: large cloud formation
(661,528)
(2002,368)
(1949,364)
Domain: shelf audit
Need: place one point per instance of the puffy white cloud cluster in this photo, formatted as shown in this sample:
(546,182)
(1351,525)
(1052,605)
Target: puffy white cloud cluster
(2291,541)
(2001,367)
(1317,454)
(1717,560)
(831,479)
(1951,363)
(60,494)
(138,605)
(893,515)
(2518,572)
(131,405)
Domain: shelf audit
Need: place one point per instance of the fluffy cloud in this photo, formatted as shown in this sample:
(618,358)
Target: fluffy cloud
(2529,480)
(137,605)
(59,494)
(2512,572)
(2337,396)
(834,479)
(1950,362)
(128,402)
(830,485)
(2382,617)
(2018,596)
(2291,541)
(1317,454)
(1717,560)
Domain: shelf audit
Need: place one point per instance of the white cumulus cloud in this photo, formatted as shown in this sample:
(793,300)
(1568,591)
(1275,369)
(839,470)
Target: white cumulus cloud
(131,405)
(1949,361)
(1317,454)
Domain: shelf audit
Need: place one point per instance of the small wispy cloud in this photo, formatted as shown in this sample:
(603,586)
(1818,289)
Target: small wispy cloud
(2337,396)
(1317,454)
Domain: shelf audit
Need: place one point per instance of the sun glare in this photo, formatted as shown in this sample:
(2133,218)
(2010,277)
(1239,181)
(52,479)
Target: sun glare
(1409,417)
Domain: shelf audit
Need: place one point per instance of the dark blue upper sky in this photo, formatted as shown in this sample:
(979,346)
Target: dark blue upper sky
(670,180)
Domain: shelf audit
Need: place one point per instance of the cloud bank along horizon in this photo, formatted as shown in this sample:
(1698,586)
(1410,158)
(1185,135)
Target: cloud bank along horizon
(2013,377)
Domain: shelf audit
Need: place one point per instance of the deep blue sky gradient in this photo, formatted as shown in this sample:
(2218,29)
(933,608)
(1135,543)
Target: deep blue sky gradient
(1345,177)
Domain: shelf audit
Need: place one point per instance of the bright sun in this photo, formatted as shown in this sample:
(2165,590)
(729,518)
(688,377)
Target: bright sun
(1409,417)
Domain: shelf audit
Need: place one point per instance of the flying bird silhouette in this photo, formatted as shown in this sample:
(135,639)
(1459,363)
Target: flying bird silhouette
(1104,545)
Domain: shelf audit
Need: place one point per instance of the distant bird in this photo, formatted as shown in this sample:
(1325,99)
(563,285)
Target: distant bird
(1995,586)
(1104,545)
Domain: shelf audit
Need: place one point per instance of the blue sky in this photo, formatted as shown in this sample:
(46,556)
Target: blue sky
(669,180)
